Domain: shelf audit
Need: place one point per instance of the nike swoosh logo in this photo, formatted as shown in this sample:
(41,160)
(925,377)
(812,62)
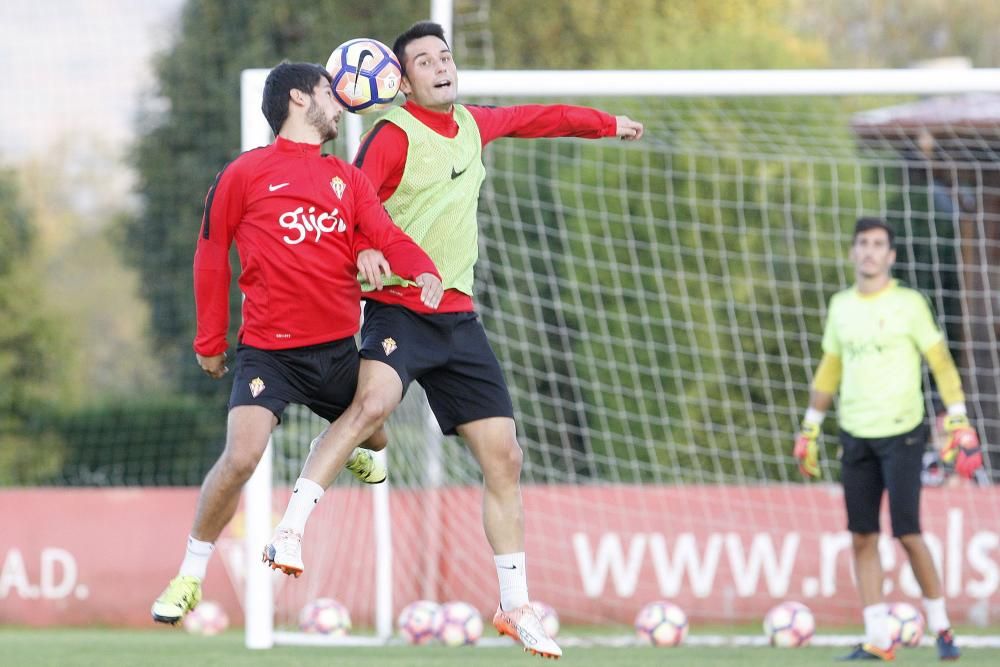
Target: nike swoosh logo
(361,63)
(512,567)
(456,174)
(272,188)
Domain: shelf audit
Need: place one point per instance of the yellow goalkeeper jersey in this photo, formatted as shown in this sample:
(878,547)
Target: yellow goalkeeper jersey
(880,339)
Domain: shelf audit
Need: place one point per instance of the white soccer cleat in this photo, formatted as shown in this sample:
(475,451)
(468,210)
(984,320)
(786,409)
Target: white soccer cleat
(522,625)
(285,552)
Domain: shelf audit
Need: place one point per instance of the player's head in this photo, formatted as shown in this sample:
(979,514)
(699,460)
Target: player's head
(429,75)
(872,248)
(304,92)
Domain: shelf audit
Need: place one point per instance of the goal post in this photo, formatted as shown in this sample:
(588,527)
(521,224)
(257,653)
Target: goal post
(657,308)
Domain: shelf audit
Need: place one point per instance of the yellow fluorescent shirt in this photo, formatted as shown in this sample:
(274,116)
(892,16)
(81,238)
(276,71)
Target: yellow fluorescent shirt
(879,339)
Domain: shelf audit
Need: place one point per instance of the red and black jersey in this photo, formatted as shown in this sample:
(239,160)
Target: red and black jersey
(294,214)
(382,158)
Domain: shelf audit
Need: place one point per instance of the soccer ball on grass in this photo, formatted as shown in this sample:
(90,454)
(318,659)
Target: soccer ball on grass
(207,619)
(417,621)
(458,624)
(661,623)
(790,625)
(906,624)
(325,616)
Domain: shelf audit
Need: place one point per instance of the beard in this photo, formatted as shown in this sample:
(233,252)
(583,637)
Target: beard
(325,125)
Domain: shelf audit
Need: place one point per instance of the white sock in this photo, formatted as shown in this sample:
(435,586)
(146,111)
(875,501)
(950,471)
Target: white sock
(877,625)
(304,498)
(513,580)
(937,617)
(196,558)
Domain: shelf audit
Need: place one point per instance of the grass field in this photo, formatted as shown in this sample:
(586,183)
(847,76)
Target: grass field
(173,648)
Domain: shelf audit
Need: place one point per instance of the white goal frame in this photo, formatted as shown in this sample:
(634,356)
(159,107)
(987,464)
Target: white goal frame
(258,599)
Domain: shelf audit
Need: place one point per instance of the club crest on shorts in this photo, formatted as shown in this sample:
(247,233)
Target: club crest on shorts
(256,386)
(338,186)
(389,345)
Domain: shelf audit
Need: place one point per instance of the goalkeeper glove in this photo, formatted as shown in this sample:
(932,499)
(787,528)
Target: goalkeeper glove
(807,451)
(962,447)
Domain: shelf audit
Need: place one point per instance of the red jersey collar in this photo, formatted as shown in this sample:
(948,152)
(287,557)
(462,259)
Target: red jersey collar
(442,123)
(293,147)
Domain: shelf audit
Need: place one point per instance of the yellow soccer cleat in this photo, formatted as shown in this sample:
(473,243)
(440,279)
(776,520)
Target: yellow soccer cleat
(366,467)
(182,594)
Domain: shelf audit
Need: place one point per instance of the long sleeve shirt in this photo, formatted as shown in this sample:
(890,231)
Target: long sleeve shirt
(293,214)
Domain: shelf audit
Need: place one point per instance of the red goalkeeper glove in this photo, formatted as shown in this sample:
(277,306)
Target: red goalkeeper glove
(962,447)
(807,450)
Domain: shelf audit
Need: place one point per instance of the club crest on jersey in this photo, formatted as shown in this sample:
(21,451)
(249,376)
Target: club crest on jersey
(338,186)
(389,345)
(256,387)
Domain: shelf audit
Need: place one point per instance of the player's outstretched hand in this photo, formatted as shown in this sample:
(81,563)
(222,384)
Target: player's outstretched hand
(628,129)
(372,265)
(214,365)
(432,290)
(962,447)
(807,450)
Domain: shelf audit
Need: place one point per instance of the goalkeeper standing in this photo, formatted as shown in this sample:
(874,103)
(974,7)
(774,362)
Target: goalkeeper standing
(876,333)
(426,163)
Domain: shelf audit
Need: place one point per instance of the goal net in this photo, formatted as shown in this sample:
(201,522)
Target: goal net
(657,307)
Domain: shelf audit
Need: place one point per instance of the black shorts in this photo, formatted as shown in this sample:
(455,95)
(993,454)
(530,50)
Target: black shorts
(870,466)
(321,377)
(447,353)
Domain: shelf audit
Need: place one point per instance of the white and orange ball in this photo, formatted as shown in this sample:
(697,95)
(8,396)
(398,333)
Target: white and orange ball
(906,624)
(417,622)
(366,75)
(325,616)
(208,618)
(661,623)
(458,624)
(789,625)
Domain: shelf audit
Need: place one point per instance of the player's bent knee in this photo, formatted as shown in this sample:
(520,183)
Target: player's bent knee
(240,464)
(372,410)
(505,464)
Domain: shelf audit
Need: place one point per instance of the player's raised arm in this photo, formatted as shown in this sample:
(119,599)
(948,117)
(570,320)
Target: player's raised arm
(530,121)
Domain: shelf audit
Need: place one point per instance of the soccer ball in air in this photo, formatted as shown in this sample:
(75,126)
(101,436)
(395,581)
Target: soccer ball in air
(789,625)
(906,624)
(417,622)
(548,616)
(458,624)
(365,73)
(325,616)
(207,619)
(661,623)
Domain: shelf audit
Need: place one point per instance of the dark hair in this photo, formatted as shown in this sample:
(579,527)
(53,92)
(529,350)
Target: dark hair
(865,224)
(416,31)
(283,79)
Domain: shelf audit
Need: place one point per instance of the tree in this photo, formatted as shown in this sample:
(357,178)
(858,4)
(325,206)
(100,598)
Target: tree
(30,349)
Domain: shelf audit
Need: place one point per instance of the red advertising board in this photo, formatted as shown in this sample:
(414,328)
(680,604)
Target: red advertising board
(597,553)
